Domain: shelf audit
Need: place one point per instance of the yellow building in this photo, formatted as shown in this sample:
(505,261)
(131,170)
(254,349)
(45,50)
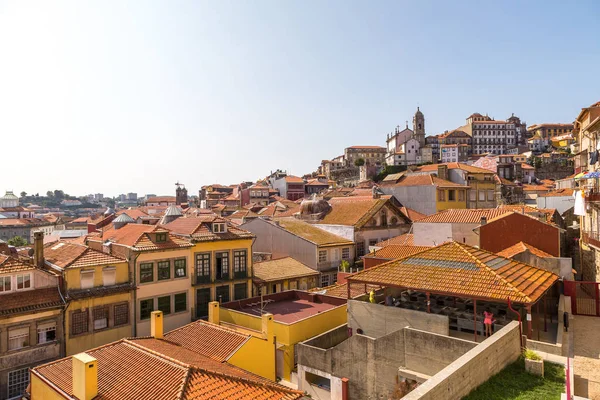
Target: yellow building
(285,273)
(222,260)
(195,362)
(297,316)
(98,291)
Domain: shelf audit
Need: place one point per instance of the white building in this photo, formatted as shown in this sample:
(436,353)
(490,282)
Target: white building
(9,200)
(493,136)
(404,146)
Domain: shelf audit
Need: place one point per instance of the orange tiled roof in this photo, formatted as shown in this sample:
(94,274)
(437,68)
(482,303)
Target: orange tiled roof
(455,165)
(280,269)
(358,210)
(137,369)
(404,240)
(341,290)
(520,247)
(30,300)
(160,199)
(526,166)
(426,180)
(460,270)
(200,229)
(393,251)
(67,254)
(312,233)
(134,213)
(558,193)
(9,265)
(293,179)
(210,340)
(136,237)
(367,147)
(412,214)
(468,216)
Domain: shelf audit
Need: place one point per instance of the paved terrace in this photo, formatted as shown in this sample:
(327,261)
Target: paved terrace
(287,307)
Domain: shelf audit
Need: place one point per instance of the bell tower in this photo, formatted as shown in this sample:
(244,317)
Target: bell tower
(419,127)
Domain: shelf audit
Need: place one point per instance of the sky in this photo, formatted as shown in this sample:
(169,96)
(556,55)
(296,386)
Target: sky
(132,96)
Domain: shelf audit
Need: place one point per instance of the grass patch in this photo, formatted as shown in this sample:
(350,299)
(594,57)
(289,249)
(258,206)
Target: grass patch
(513,383)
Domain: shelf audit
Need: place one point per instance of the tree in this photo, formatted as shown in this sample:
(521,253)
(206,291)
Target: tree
(59,194)
(50,193)
(23,194)
(359,162)
(17,241)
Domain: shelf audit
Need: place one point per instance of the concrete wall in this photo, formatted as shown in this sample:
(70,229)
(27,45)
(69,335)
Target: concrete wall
(347,232)
(463,233)
(562,266)
(377,320)
(473,368)
(431,234)
(273,239)
(561,203)
(420,198)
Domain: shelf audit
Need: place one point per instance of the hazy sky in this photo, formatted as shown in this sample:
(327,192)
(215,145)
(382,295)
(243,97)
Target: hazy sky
(131,96)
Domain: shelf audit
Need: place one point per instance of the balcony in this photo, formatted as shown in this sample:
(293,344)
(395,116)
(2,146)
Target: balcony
(240,275)
(199,280)
(593,197)
(591,238)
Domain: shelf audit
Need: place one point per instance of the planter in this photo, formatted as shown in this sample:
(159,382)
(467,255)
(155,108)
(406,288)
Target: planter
(535,367)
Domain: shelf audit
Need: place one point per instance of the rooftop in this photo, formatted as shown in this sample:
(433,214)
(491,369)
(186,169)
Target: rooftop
(426,180)
(287,307)
(140,237)
(394,251)
(412,214)
(161,199)
(521,247)
(464,271)
(468,216)
(454,165)
(312,233)
(201,229)
(66,254)
(357,211)
(280,269)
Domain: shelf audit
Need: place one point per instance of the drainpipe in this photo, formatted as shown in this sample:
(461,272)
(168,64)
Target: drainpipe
(134,322)
(344,388)
(520,324)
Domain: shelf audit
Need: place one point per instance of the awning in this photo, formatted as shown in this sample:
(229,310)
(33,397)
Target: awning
(580,175)
(592,175)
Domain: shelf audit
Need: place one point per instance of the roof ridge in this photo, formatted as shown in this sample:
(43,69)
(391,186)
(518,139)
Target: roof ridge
(391,261)
(157,354)
(206,323)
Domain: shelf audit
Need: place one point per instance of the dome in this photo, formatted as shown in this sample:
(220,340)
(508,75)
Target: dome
(314,206)
(123,218)
(173,211)
(9,196)
(109,211)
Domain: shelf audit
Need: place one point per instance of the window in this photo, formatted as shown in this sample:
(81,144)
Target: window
(219,228)
(146,272)
(161,237)
(240,291)
(239,263)
(100,315)
(222,260)
(180,268)
(360,249)
(383,218)
(461,195)
(203,267)
(441,195)
(372,242)
(23,282)
(346,253)
(4,283)
(490,195)
(481,195)
(121,312)
(79,322)
(164,270)
(451,195)
(46,332)
(322,255)
(18,338)
(180,302)
(18,380)
(324,280)
(146,308)
(109,276)
(223,294)
(164,304)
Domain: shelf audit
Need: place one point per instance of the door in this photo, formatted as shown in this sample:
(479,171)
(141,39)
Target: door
(202,300)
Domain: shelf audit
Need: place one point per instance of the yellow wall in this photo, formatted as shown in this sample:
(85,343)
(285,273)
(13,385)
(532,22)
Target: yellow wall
(73,275)
(40,390)
(256,355)
(80,343)
(290,334)
(446,204)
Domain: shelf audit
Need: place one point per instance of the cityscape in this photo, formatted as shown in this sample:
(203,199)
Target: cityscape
(449,255)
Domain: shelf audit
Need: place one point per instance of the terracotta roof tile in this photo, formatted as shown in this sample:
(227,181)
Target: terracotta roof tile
(137,237)
(460,270)
(10,265)
(160,199)
(210,340)
(30,300)
(280,269)
(134,213)
(426,180)
(520,247)
(454,165)
(68,254)
(412,214)
(394,251)
(367,147)
(200,229)
(468,216)
(358,210)
(293,179)
(558,193)
(341,290)
(404,240)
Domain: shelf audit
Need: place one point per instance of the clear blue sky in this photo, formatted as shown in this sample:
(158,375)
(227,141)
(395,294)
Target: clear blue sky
(113,97)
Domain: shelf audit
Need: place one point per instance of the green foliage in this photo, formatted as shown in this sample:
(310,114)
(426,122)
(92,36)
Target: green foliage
(17,241)
(387,170)
(359,162)
(538,163)
(50,193)
(345,266)
(23,194)
(513,383)
(531,355)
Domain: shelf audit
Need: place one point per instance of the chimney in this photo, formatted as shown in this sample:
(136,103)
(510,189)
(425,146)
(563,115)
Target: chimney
(38,248)
(156,324)
(85,376)
(268,330)
(483,220)
(214,313)
(4,249)
(443,171)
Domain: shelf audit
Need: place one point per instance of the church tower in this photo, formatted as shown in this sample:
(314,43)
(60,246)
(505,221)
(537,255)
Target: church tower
(419,127)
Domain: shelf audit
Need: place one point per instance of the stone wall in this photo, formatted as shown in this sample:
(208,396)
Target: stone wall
(376,320)
(554,171)
(473,368)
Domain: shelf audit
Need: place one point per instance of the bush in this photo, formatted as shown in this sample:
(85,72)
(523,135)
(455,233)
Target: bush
(531,355)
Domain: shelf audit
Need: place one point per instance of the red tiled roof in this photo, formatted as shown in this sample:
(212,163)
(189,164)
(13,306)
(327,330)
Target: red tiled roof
(200,229)
(134,213)
(454,165)
(520,247)
(30,300)
(426,180)
(210,340)
(136,236)
(67,254)
(341,290)
(394,251)
(558,193)
(468,216)
(9,265)
(358,210)
(526,166)
(460,270)
(405,240)
(293,179)
(161,199)
(412,214)
(367,147)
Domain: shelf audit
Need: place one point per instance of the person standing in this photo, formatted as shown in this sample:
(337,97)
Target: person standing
(488,317)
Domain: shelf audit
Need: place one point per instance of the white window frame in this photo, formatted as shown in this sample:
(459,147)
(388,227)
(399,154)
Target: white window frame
(42,329)
(16,335)
(346,253)
(322,256)
(24,281)
(219,227)
(325,280)
(84,276)
(22,379)
(3,281)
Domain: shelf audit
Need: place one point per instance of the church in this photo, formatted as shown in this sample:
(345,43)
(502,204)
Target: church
(407,146)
